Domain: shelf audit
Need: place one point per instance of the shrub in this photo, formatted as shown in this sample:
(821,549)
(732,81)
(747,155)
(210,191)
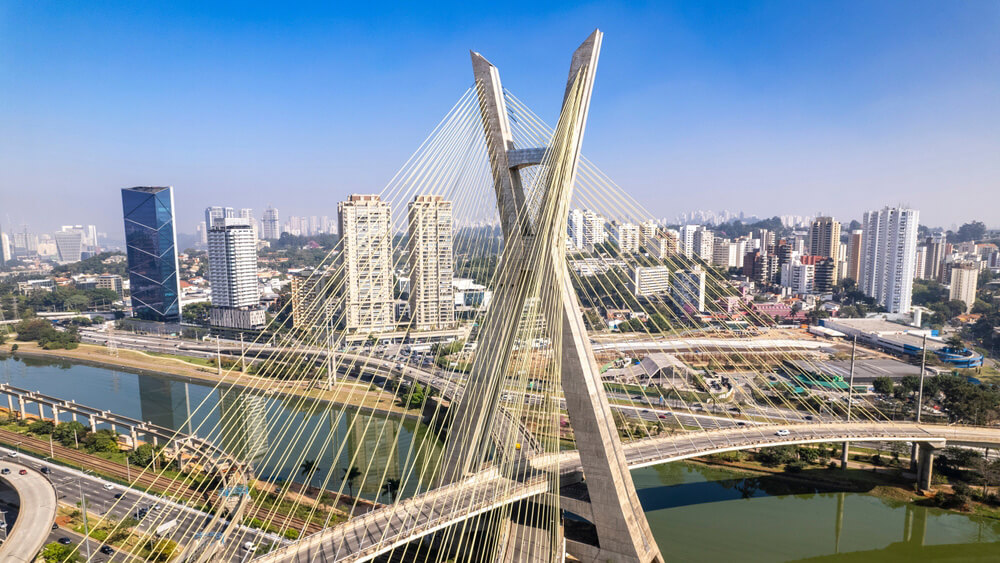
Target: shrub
(795,466)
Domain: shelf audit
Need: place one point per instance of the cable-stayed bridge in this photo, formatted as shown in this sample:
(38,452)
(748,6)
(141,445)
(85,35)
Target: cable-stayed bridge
(523,422)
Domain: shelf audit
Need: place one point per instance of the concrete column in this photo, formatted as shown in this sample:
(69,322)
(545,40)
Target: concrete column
(925,468)
(41,411)
(93,423)
(10,404)
(914,454)
(20,405)
(55,414)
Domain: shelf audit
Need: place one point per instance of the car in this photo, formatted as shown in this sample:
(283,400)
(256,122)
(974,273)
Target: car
(55,526)
(12,454)
(249,546)
(65,541)
(663,416)
(741,424)
(44,470)
(782,432)
(107,550)
(118,496)
(157,507)
(22,472)
(5,471)
(809,417)
(108,487)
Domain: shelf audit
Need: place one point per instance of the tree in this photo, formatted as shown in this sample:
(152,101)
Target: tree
(971,232)
(350,475)
(54,552)
(41,427)
(309,466)
(955,342)
(142,456)
(883,385)
(104,440)
(196,313)
(390,488)
(69,433)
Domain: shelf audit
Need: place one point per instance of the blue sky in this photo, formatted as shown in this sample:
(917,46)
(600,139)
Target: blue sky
(773,108)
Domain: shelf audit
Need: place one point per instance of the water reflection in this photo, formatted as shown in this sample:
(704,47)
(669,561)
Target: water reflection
(273,434)
(705,514)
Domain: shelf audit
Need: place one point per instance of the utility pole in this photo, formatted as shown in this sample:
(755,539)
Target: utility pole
(86,525)
(850,400)
(915,450)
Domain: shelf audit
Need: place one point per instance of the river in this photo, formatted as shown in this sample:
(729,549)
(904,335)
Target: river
(696,512)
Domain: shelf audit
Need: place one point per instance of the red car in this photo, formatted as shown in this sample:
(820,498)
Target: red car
(22,472)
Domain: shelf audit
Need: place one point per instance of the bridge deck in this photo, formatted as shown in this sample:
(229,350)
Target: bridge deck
(379,531)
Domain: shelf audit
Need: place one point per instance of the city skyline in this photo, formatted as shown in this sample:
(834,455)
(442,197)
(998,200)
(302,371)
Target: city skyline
(723,115)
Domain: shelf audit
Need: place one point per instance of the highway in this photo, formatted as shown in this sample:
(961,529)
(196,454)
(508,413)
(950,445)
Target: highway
(29,526)
(71,485)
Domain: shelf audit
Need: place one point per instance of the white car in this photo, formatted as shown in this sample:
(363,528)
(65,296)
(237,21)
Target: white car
(782,432)
(109,487)
(12,454)
(249,546)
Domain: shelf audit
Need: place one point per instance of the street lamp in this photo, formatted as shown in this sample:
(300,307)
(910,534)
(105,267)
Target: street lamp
(18,446)
(83,504)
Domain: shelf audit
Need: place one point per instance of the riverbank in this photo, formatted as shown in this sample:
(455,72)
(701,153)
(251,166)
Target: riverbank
(886,483)
(362,397)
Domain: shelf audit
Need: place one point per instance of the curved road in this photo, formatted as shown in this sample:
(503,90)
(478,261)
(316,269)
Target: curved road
(37,500)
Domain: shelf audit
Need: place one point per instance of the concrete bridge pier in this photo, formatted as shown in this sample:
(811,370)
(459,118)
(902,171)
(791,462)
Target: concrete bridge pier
(20,407)
(10,404)
(55,414)
(925,465)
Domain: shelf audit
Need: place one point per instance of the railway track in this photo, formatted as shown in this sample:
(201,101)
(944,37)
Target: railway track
(151,482)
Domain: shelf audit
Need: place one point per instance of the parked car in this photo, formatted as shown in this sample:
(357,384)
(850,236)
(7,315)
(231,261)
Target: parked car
(22,472)
(5,471)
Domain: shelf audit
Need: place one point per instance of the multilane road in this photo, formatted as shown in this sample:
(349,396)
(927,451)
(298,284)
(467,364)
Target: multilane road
(37,510)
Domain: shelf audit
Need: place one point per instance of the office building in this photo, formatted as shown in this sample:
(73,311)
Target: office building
(889,244)
(430,242)
(854,241)
(824,240)
(593,230)
(798,277)
(366,257)
(689,289)
(270,224)
(663,245)
(686,239)
(703,244)
(575,230)
(920,263)
(964,279)
(648,231)
(151,248)
(214,213)
(6,249)
(312,302)
(232,275)
(112,282)
(627,235)
(826,274)
(648,281)
(69,244)
(936,251)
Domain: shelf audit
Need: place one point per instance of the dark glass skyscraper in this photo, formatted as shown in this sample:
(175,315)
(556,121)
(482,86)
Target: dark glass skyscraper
(152,253)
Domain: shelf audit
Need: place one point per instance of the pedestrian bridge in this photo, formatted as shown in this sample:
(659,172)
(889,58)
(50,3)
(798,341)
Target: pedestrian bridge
(380,531)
